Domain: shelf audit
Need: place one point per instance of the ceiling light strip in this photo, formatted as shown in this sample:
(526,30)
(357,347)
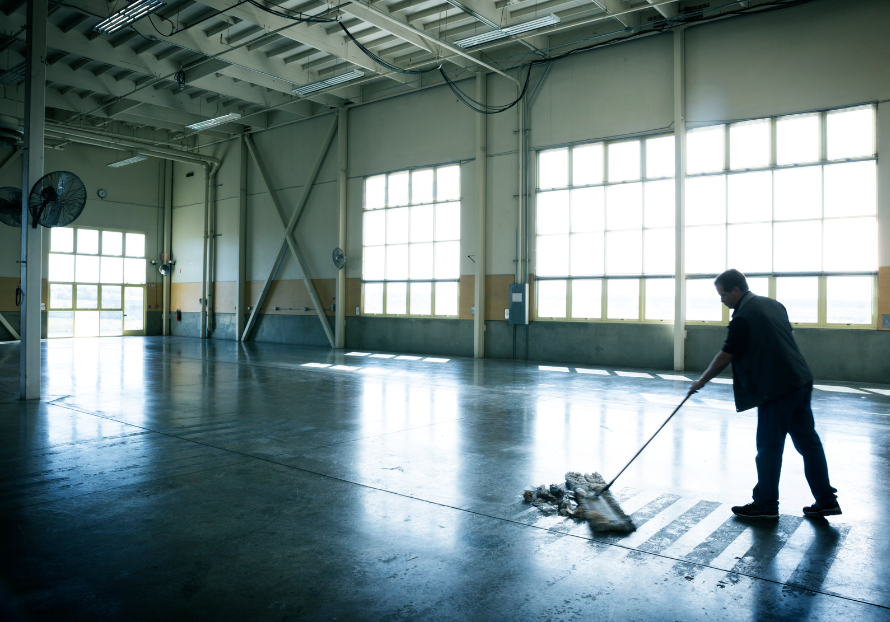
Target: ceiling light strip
(203,125)
(333,81)
(126,16)
(133,160)
(507,31)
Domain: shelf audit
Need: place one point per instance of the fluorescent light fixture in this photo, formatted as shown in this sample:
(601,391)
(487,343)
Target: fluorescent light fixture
(133,160)
(131,13)
(323,84)
(13,76)
(203,125)
(507,31)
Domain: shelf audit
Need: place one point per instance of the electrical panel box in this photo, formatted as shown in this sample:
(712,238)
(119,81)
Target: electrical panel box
(518,303)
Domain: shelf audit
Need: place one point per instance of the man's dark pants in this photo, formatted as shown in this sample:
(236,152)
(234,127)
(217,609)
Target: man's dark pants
(790,414)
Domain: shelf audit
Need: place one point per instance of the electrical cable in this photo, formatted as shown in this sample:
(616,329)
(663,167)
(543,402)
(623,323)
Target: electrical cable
(380,61)
(299,17)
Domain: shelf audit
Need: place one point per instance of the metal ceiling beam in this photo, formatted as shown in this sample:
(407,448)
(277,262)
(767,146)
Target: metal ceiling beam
(667,10)
(615,9)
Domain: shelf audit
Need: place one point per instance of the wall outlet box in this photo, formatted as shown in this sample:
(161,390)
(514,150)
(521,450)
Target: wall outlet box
(518,303)
(358,311)
(43,306)
(472,310)
(506,314)
(885,320)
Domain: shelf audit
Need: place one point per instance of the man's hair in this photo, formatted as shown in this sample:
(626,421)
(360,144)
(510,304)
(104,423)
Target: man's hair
(731,279)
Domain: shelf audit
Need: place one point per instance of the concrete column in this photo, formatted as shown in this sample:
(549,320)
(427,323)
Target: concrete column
(340,308)
(204,255)
(481,192)
(680,198)
(32,171)
(241,282)
(168,239)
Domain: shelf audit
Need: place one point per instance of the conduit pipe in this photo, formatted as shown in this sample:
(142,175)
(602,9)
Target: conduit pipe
(211,167)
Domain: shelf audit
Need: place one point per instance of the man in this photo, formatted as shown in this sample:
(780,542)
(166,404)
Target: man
(769,372)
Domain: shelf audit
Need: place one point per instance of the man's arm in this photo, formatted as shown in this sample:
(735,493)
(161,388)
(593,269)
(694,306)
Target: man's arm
(717,365)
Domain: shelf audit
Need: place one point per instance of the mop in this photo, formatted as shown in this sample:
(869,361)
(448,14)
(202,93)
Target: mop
(598,505)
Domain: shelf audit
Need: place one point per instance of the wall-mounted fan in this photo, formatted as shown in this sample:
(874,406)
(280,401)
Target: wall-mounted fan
(11,206)
(339,258)
(57,199)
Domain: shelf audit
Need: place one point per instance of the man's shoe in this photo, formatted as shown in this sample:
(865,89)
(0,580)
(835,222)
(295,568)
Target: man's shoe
(814,511)
(752,510)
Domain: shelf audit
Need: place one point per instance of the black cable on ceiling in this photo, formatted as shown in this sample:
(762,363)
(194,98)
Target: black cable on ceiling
(382,62)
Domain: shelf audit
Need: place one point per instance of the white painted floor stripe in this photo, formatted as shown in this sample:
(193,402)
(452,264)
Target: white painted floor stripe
(735,551)
(357,354)
(382,356)
(408,358)
(698,533)
(722,380)
(835,389)
(598,372)
(675,377)
(792,553)
(880,391)
(316,365)
(345,367)
(430,359)
(550,368)
(633,374)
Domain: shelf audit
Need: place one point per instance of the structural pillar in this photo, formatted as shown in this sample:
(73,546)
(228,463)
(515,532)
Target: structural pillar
(241,282)
(340,305)
(481,192)
(680,198)
(32,171)
(168,240)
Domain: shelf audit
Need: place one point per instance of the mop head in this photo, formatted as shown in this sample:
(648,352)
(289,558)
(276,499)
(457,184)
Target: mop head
(601,511)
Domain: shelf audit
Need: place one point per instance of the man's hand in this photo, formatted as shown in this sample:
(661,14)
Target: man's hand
(697,385)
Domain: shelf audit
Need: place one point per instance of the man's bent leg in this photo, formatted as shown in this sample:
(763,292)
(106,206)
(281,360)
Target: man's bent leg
(773,419)
(808,444)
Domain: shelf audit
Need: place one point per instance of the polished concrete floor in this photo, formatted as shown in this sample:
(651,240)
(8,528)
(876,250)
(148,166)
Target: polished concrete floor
(180,479)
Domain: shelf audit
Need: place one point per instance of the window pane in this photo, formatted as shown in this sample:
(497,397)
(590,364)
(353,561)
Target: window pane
(588,205)
(135,245)
(849,299)
(623,299)
(749,144)
(624,252)
(421,298)
(87,242)
(587,254)
(551,299)
(134,272)
(702,302)
(111,297)
(706,200)
(797,247)
(704,150)
(797,139)
(60,324)
(112,243)
(374,228)
(553,212)
(447,260)
(133,308)
(397,262)
(448,221)
(373,298)
(87,296)
(60,296)
(87,269)
(660,157)
(86,323)
(587,299)
(851,133)
(421,261)
(397,189)
(422,222)
(448,183)
(398,222)
(111,323)
(624,161)
(851,245)
(552,255)
(396,298)
(422,186)
(61,240)
(759,285)
(375,192)
(851,189)
(750,247)
(446,298)
(800,295)
(61,267)
(624,206)
(705,250)
(750,197)
(587,165)
(112,270)
(798,193)
(373,263)
(553,169)
(660,299)
(659,203)
(658,251)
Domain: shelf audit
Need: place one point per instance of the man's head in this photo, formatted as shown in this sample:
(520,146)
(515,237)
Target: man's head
(732,286)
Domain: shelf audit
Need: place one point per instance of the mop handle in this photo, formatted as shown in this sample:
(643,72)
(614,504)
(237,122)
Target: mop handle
(609,485)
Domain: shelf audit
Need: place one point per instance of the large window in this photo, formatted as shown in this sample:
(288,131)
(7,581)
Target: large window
(605,231)
(411,243)
(790,201)
(96,283)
